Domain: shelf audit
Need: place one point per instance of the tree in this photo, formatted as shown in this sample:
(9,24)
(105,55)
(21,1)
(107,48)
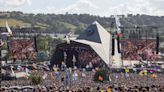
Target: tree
(36,79)
(44,43)
(103,73)
(6,57)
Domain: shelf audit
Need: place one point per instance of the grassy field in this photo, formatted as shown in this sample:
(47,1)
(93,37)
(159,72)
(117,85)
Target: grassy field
(67,25)
(41,25)
(14,23)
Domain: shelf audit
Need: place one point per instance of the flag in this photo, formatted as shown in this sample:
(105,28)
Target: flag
(54,68)
(134,69)
(27,70)
(159,70)
(141,73)
(154,76)
(110,78)
(34,66)
(1,42)
(100,78)
(145,72)
(118,24)
(152,71)
(8,29)
(126,70)
(83,75)
(68,36)
(120,35)
(44,76)
(9,32)
(127,74)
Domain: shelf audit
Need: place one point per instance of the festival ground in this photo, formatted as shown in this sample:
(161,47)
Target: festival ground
(56,81)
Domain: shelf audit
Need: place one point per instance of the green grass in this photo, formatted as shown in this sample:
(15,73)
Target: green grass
(67,25)
(13,23)
(41,25)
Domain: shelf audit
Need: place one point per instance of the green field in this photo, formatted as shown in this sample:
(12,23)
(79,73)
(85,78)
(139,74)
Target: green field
(14,23)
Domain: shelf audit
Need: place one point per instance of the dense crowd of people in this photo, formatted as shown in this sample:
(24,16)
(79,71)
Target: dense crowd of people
(80,79)
(89,58)
(82,56)
(22,49)
(75,80)
(139,49)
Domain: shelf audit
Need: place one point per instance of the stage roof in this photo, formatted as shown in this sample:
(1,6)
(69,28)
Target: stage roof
(99,39)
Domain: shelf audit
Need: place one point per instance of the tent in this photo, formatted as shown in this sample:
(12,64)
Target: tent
(98,39)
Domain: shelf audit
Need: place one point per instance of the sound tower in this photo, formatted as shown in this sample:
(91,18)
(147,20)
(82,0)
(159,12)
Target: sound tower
(118,44)
(157,44)
(36,49)
(113,45)
(8,44)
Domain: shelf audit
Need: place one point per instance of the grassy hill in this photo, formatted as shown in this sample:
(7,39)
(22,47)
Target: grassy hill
(64,23)
(68,26)
(41,25)
(13,23)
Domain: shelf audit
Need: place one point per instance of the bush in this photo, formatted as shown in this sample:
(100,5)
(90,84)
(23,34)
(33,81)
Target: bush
(101,75)
(36,79)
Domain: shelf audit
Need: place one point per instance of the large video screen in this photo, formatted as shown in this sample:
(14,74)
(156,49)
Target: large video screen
(22,49)
(144,49)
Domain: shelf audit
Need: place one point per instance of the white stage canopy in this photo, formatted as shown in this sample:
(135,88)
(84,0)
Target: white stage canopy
(99,39)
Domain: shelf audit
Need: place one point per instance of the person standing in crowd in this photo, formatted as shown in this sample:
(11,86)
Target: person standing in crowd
(108,89)
(67,78)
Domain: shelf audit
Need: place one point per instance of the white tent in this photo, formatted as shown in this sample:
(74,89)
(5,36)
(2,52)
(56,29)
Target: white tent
(99,39)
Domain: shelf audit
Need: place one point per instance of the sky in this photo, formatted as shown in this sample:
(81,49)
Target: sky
(93,7)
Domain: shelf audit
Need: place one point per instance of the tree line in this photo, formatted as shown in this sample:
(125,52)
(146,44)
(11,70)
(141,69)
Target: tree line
(64,23)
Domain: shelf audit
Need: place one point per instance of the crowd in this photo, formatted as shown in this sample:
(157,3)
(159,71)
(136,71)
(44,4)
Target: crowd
(139,49)
(85,57)
(22,49)
(89,58)
(82,81)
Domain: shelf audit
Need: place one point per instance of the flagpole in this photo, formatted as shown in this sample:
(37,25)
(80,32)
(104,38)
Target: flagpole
(65,66)
(146,58)
(0,55)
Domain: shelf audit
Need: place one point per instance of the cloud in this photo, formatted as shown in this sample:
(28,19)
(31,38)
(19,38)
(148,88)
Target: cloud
(15,3)
(137,7)
(94,7)
(80,6)
(149,7)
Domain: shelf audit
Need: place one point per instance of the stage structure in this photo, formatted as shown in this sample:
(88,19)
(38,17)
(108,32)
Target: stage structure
(95,39)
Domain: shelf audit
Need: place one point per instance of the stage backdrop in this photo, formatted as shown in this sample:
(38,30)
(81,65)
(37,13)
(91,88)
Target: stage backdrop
(138,49)
(22,49)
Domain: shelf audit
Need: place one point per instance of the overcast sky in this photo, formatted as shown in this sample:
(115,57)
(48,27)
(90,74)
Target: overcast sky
(94,7)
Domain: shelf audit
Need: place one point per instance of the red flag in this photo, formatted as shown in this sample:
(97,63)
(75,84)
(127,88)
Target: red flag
(154,76)
(100,78)
(120,35)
